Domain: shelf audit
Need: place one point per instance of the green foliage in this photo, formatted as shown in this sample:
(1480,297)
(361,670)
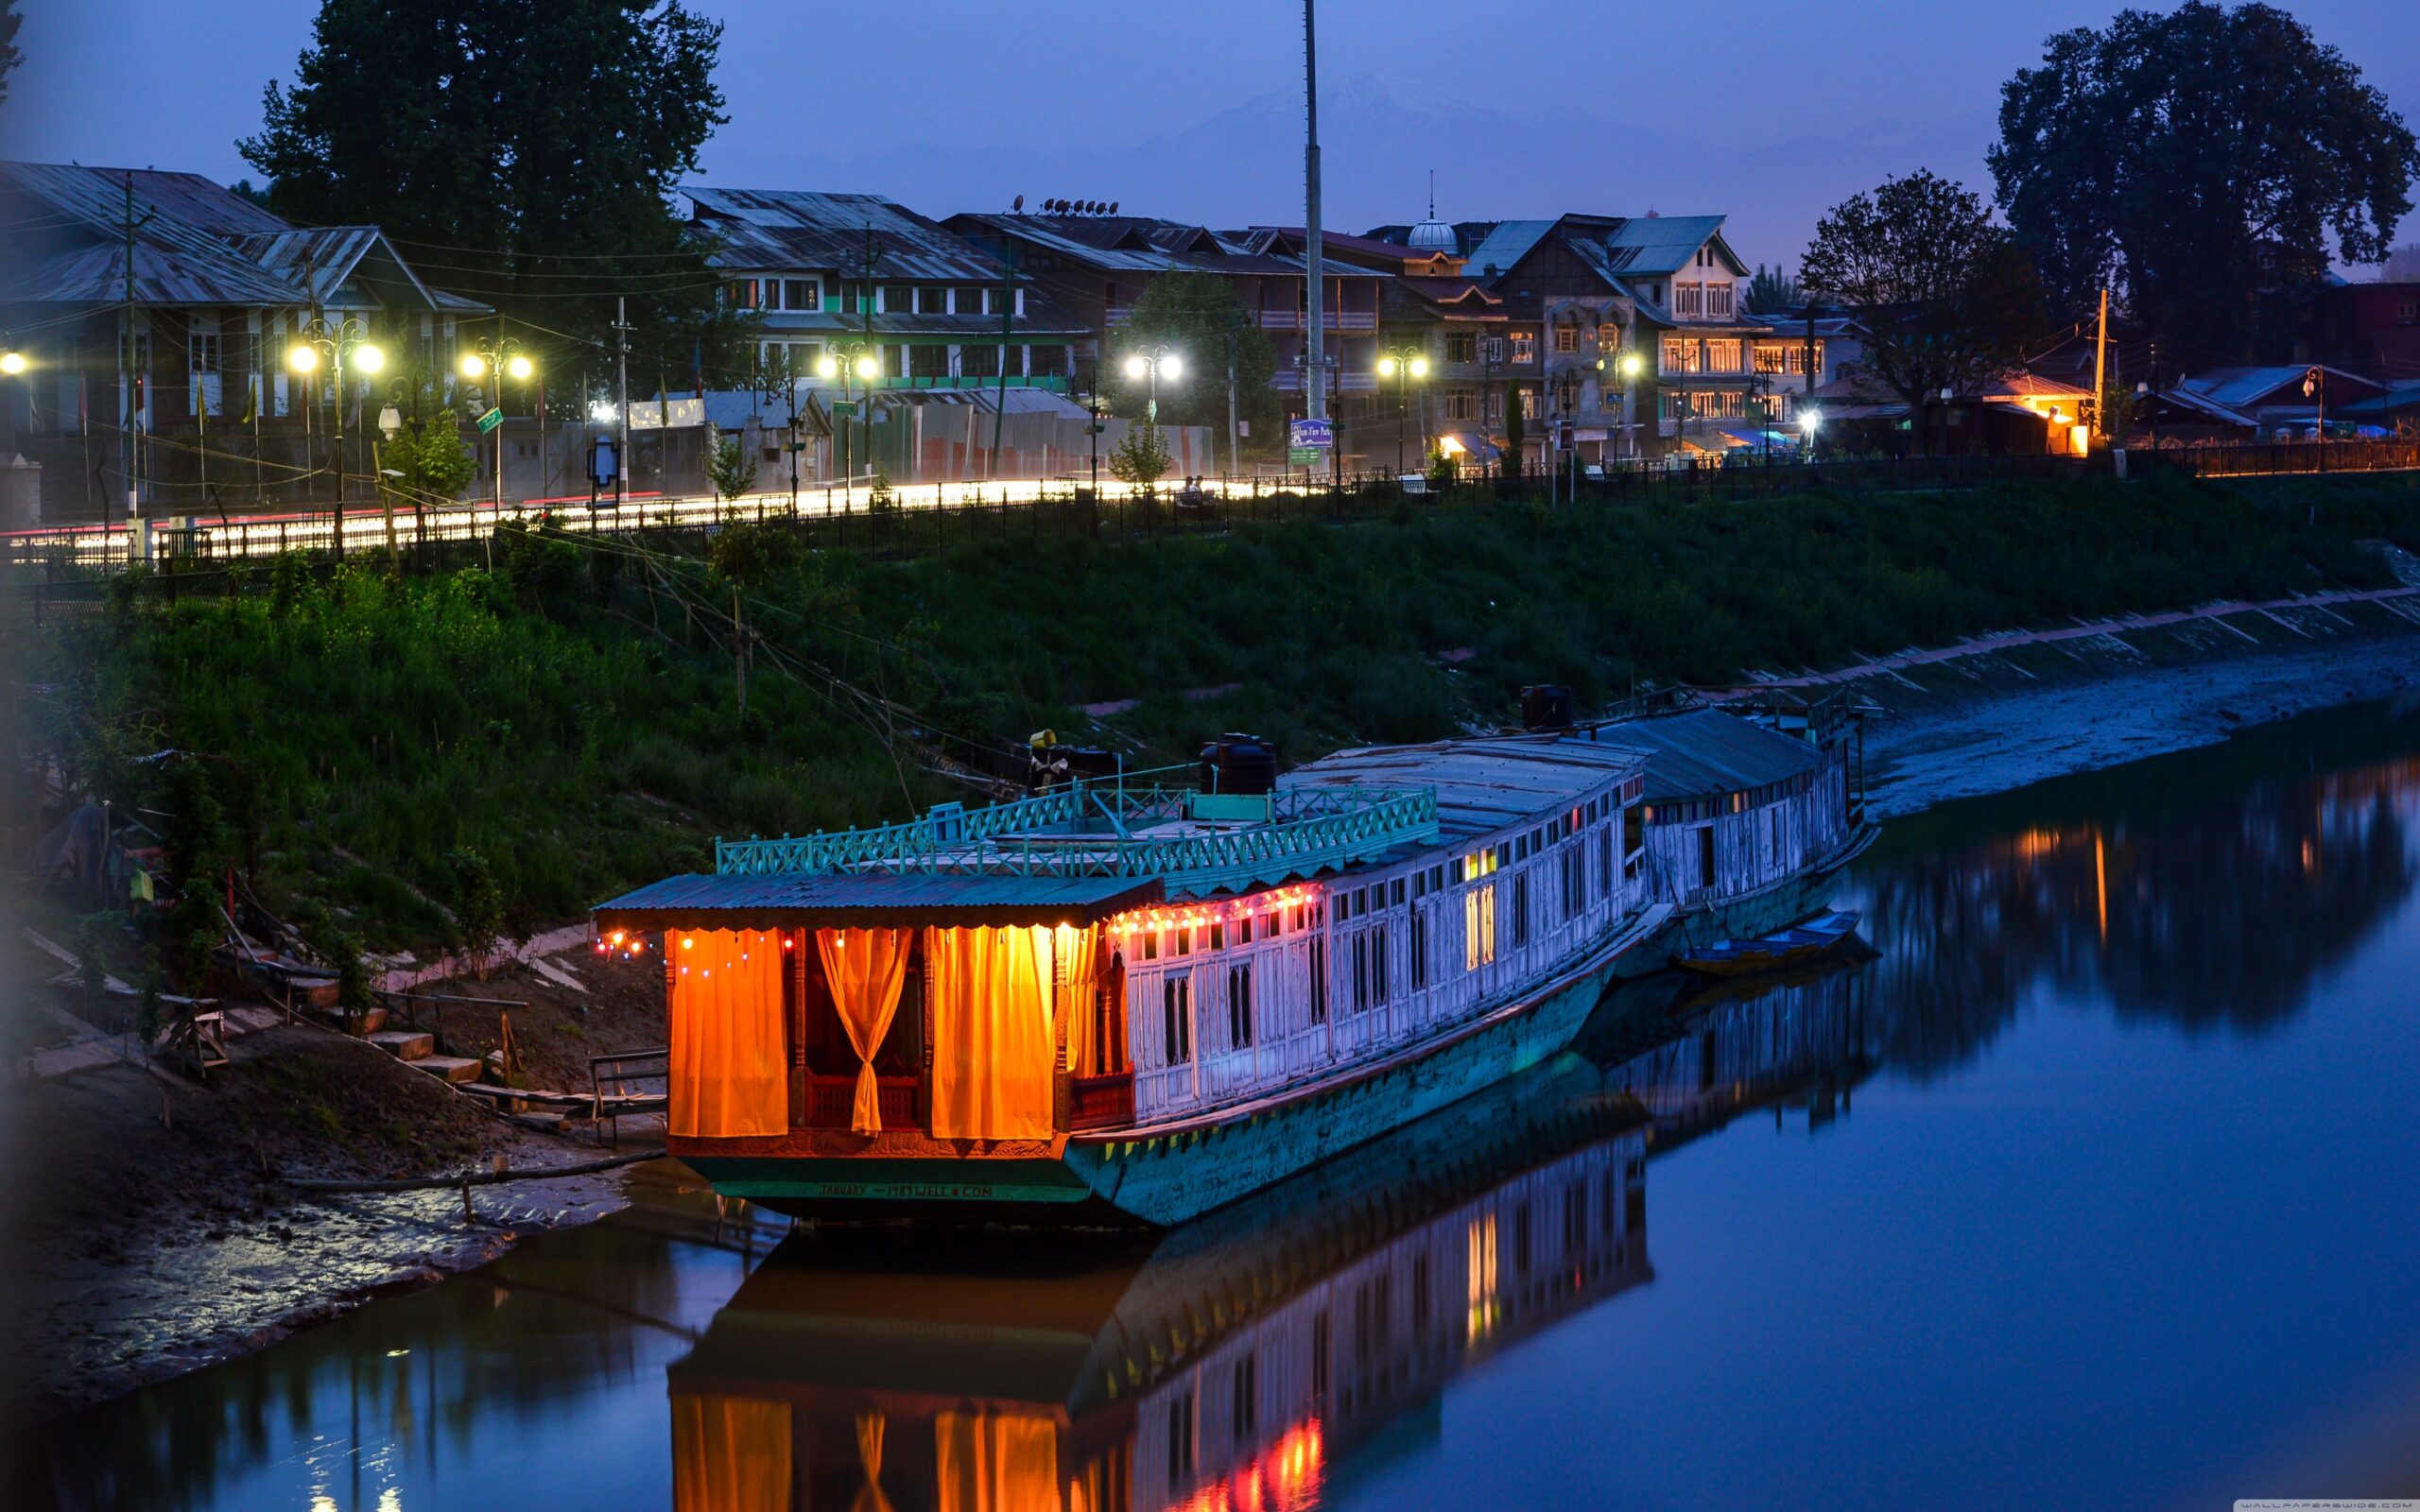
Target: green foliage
(435,463)
(1947,299)
(881,498)
(1193,315)
(10,54)
(1141,456)
(477,904)
(1771,291)
(1516,429)
(754,556)
(730,470)
(2195,157)
(542,142)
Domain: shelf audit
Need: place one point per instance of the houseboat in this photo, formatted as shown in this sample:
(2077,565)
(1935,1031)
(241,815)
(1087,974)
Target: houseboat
(1110,1003)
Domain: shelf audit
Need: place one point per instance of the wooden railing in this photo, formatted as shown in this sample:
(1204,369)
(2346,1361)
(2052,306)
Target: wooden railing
(1101,1102)
(829,1101)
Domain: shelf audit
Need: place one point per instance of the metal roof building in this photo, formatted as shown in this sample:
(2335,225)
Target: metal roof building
(1708,753)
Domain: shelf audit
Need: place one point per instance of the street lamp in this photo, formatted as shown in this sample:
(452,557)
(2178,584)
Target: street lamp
(1631,364)
(12,362)
(498,355)
(1403,364)
(856,360)
(345,339)
(1810,422)
(1155,364)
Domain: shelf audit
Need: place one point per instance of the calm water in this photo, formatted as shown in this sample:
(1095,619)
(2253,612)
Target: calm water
(2099,1187)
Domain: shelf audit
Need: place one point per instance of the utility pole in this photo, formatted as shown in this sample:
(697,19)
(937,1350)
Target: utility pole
(1234,430)
(2155,396)
(1808,296)
(1311,264)
(2101,368)
(1007,313)
(622,399)
(131,382)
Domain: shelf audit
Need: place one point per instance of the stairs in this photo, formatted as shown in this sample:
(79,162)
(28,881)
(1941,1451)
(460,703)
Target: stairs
(416,1048)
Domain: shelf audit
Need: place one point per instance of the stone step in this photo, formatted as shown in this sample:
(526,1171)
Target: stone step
(452,1068)
(404,1044)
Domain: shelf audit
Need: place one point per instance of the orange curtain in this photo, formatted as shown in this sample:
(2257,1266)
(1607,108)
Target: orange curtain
(1079,956)
(995,1462)
(870,1497)
(865,968)
(730,1454)
(726,1056)
(992,1041)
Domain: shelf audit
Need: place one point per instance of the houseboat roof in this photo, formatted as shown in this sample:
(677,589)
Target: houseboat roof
(1706,752)
(1483,784)
(888,900)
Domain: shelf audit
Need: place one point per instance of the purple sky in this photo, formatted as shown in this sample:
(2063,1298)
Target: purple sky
(1766,114)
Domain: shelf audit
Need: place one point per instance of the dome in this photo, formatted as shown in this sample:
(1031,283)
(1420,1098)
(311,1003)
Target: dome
(1433,235)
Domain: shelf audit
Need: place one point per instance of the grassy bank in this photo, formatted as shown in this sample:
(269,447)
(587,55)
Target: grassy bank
(409,750)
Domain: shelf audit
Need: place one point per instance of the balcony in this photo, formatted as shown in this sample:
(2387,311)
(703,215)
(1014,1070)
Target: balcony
(1334,320)
(829,1102)
(1101,1102)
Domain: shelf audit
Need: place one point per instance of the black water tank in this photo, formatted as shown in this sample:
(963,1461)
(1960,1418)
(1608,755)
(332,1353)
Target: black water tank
(1240,763)
(1545,706)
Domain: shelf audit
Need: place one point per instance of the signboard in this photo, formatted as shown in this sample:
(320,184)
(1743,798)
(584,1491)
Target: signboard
(667,414)
(1311,435)
(490,420)
(1305,456)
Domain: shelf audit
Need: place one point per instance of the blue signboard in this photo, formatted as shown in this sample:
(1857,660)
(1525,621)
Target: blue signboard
(1310,434)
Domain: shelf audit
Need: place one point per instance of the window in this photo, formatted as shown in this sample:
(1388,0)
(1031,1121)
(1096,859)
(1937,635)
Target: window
(1240,1006)
(1176,1009)
(1681,354)
(979,361)
(1575,884)
(1461,404)
(801,294)
(1520,909)
(1717,298)
(1608,338)
(1492,349)
(203,345)
(1566,395)
(1418,948)
(1046,361)
(1566,338)
(897,298)
(1462,346)
(1478,927)
(1528,403)
(1244,1398)
(932,302)
(1180,1443)
(1524,346)
(1722,354)
(894,361)
(1319,981)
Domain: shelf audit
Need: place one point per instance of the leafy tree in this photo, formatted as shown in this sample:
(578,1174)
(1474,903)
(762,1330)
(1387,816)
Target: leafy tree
(1947,298)
(523,152)
(478,906)
(2403,265)
(1192,313)
(433,463)
(730,470)
(1773,290)
(1142,454)
(10,54)
(2189,158)
(1515,432)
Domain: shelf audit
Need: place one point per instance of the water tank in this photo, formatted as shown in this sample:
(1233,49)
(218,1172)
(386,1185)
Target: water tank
(1240,763)
(1545,706)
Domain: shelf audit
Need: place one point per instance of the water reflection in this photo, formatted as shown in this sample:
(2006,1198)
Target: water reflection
(2175,893)
(1236,1363)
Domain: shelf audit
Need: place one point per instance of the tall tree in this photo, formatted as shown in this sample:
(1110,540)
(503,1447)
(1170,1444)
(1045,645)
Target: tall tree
(10,54)
(1947,298)
(522,152)
(2189,160)
(1771,291)
(1193,314)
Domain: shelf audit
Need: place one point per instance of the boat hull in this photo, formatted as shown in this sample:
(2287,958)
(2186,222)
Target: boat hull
(1159,1179)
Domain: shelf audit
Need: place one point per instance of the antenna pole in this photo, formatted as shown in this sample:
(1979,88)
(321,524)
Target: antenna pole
(1311,266)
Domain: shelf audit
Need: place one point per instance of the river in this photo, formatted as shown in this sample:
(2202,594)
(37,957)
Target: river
(2098,1186)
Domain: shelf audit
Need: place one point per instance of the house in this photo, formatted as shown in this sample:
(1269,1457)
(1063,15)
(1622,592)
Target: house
(850,276)
(1783,359)
(2398,409)
(156,357)
(2019,414)
(2370,329)
(2274,396)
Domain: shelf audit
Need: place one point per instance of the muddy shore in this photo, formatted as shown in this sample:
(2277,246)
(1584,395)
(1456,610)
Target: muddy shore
(155,1236)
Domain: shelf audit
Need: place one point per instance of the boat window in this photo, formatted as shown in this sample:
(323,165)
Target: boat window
(1176,1009)
(1478,927)
(1240,1006)
(1243,929)
(1318,980)
(1184,942)
(1395,895)
(1151,945)
(1418,948)
(1520,909)
(1218,936)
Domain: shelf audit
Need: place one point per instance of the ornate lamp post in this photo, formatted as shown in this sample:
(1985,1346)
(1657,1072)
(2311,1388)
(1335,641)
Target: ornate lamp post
(502,356)
(1153,364)
(857,360)
(774,380)
(337,343)
(1402,364)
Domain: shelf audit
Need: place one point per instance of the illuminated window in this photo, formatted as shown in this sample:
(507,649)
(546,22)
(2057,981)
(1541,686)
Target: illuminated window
(1240,1006)
(1176,1008)
(1680,355)
(1722,354)
(1524,346)
(1478,927)
(1566,338)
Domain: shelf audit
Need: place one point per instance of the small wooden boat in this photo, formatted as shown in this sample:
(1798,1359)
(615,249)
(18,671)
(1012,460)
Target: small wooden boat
(1824,935)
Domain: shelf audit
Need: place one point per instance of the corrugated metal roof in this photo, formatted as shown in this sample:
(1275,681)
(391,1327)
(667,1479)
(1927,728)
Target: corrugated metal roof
(862,900)
(1506,245)
(1661,244)
(163,275)
(1483,784)
(2240,387)
(798,229)
(97,197)
(1706,751)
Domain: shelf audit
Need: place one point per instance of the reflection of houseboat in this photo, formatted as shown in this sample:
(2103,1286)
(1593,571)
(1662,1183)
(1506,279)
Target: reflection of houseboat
(1239,1361)
(1229,1366)
(1105,1001)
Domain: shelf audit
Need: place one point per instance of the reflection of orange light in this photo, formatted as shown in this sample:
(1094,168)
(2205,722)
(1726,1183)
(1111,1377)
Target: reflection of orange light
(1284,1478)
(2101,885)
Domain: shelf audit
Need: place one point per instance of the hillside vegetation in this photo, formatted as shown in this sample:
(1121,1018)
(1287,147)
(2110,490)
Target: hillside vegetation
(410,751)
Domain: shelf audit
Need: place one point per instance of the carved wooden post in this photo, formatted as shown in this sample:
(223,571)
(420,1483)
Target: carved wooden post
(925,1008)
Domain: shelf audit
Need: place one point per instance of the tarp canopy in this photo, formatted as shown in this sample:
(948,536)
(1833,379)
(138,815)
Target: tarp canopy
(868,899)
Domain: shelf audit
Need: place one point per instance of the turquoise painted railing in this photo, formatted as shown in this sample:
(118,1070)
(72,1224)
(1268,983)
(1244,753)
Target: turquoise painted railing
(1089,831)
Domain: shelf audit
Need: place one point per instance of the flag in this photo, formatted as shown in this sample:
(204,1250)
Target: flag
(83,402)
(252,399)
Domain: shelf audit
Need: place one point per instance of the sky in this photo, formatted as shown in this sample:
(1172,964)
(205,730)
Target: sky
(1767,113)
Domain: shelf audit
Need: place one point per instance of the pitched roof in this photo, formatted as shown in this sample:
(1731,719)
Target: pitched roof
(807,229)
(1706,751)
(1661,244)
(1483,784)
(1510,241)
(860,899)
(2241,386)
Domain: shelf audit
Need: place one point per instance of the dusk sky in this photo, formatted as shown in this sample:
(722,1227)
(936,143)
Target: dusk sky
(1766,114)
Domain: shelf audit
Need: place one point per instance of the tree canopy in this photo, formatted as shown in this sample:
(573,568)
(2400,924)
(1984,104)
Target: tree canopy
(520,153)
(10,54)
(2189,160)
(1192,313)
(1947,298)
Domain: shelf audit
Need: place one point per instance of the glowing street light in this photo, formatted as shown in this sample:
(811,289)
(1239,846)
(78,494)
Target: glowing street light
(345,341)
(1154,365)
(1403,364)
(12,362)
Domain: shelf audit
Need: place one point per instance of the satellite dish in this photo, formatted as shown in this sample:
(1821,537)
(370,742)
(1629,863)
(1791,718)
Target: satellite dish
(1019,205)
(1113,207)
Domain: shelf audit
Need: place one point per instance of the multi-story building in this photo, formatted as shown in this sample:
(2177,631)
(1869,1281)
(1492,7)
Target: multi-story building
(154,312)
(849,275)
